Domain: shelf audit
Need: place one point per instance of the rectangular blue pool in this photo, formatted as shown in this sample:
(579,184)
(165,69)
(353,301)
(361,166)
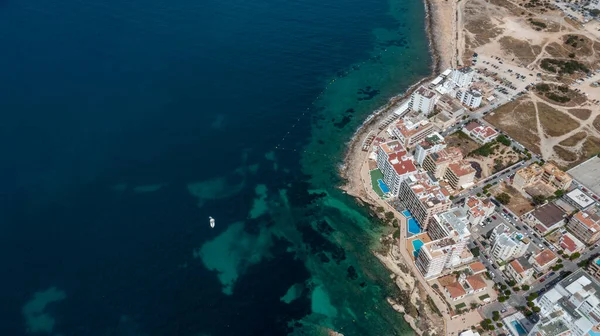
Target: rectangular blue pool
(519,328)
(406,213)
(383,186)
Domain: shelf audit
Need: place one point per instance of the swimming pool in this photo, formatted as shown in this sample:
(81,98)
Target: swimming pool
(519,328)
(593,333)
(383,186)
(598,261)
(417,244)
(413,226)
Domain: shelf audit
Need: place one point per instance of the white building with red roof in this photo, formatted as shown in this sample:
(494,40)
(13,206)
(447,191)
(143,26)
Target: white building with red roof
(542,261)
(395,164)
(477,209)
(412,129)
(570,244)
(520,270)
(480,133)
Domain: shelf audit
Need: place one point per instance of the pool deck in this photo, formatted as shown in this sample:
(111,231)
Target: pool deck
(424,237)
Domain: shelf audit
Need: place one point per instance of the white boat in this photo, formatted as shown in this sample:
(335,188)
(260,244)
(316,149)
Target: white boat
(212,222)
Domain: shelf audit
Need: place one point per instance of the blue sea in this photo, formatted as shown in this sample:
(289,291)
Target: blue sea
(126,124)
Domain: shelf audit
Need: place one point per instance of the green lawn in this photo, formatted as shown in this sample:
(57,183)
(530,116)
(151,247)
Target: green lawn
(483,297)
(461,305)
(376,174)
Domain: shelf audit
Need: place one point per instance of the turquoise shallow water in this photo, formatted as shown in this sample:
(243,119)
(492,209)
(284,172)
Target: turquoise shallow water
(128,123)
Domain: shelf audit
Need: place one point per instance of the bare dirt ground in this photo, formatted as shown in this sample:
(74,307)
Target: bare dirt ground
(518,204)
(554,131)
(529,33)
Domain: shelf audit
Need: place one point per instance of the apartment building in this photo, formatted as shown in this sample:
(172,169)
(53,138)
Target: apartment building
(542,261)
(578,199)
(412,129)
(422,195)
(471,98)
(570,244)
(507,245)
(571,308)
(593,268)
(548,174)
(423,100)
(395,164)
(462,77)
(520,270)
(460,175)
(478,210)
(480,133)
(451,224)
(450,107)
(546,218)
(438,162)
(585,225)
(431,144)
(555,177)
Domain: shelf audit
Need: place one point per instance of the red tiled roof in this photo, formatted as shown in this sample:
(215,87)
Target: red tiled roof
(401,166)
(568,244)
(544,257)
(517,266)
(477,267)
(455,290)
(476,282)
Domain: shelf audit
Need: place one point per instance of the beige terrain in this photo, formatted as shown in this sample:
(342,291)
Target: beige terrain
(524,35)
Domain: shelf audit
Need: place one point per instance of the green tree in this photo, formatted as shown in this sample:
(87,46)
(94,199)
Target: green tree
(507,292)
(503,140)
(536,309)
(525,287)
(503,198)
(575,256)
(538,199)
(559,193)
(530,304)
(389,215)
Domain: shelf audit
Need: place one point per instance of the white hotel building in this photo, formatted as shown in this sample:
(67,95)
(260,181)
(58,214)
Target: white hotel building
(451,235)
(423,100)
(395,164)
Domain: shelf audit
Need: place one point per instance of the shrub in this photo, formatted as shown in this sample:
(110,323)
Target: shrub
(543,87)
(503,198)
(503,140)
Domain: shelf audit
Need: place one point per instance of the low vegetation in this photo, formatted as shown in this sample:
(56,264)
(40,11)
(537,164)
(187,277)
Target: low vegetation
(563,67)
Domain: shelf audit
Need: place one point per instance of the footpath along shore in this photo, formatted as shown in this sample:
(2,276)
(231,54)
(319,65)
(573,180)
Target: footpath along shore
(442,26)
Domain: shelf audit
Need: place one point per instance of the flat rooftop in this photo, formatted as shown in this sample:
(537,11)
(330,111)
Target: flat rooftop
(587,174)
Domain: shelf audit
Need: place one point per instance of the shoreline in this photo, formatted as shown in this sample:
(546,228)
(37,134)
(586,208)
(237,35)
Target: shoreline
(413,292)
